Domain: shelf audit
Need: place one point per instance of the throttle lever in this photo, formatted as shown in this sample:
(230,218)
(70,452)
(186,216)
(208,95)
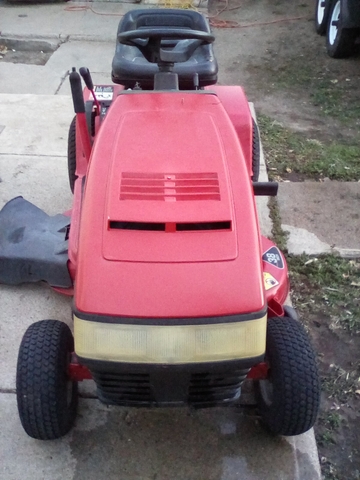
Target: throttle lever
(86,75)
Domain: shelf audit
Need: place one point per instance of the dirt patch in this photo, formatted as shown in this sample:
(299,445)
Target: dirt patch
(30,52)
(326,293)
(338,426)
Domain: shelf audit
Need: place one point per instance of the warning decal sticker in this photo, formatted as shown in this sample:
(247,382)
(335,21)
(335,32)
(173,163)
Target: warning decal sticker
(273,257)
(104,92)
(269,281)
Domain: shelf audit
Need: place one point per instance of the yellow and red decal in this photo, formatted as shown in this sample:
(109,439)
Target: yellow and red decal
(275,272)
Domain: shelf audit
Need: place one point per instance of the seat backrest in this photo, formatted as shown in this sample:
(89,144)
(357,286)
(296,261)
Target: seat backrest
(129,66)
(163,17)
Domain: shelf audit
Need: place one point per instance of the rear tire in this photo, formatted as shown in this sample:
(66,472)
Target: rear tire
(46,397)
(289,399)
(322,10)
(339,41)
(72,154)
(255,152)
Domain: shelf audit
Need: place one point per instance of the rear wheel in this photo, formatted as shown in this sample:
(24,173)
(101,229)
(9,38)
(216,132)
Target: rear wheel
(322,10)
(46,397)
(339,41)
(72,154)
(289,399)
(255,152)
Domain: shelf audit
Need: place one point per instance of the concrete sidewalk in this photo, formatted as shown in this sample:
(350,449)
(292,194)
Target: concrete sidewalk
(321,217)
(86,21)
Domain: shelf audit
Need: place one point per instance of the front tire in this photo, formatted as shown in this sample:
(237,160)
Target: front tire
(46,397)
(340,41)
(289,399)
(322,10)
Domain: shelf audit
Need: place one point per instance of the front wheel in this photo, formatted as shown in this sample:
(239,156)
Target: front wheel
(340,41)
(46,396)
(289,398)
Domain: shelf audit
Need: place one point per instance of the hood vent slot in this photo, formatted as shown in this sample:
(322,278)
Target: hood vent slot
(152,227)
(169,187)
(170,226)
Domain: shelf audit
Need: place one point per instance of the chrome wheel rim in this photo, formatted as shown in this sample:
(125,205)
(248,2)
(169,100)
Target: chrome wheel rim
(334,22)
(320,11)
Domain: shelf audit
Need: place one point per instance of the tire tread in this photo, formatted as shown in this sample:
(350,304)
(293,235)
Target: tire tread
(41,379)
(72,154)
(296,384)
(255,152)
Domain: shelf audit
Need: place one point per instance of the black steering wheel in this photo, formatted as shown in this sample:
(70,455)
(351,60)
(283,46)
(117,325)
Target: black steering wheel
(150,42)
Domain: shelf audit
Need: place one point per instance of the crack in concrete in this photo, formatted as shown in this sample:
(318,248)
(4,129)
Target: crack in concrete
(7,390)
(12,391)
(31,155)
(62,80)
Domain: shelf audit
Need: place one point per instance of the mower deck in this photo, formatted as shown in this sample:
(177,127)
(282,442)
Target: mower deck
(33,245)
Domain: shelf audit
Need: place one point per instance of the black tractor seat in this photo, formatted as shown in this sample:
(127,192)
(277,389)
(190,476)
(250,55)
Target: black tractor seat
(129,65)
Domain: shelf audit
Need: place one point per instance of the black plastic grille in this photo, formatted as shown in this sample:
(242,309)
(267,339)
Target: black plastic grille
(123,388)
(169,387)
(207,389)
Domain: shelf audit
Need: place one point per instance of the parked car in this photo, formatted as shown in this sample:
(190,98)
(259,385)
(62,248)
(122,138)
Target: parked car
(340,21)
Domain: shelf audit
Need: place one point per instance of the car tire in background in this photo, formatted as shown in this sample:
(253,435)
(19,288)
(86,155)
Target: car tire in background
(322,10)
(340,41)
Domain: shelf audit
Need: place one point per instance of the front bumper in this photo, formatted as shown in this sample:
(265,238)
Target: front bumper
(171,342)
(201,361)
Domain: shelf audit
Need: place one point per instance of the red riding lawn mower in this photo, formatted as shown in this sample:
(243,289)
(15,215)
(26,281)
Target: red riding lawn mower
(178,299)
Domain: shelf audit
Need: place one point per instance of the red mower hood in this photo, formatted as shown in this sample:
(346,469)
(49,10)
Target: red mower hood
(168,226)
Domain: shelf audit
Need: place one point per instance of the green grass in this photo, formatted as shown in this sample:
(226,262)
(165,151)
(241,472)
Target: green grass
(327,87)
(340,385)
(331,99)
(325,438)
(327,285)
(292,152)
(332,420)
(278,234)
